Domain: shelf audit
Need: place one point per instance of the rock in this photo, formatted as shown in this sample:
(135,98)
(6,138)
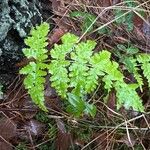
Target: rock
(16,19)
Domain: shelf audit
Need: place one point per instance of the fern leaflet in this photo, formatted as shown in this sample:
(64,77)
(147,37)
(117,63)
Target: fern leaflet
(144,59)
(35,71)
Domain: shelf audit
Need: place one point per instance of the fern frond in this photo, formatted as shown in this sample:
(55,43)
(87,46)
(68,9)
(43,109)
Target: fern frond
(113,78)
(97,62)
(59,76)
(132,67)
(88,19)
(128,97)
(125,93)
(37,43)
(58,66)
(83,51)
(35,71)
(79,68)
(112,75)
(34,82)
(102,66)
(144,59)
(69,38)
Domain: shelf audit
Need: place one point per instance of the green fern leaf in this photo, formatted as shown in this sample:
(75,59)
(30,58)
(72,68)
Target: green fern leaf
(128,97)
(90,109)
(144,59)
(77,104)
(34,82)
(131,65)
(97,62)
(35,71)
(69,38)
(57,67)
(113,78)
(37,43)
(88,19)
(83,51)
(59,76)
(59,52)
(102,66)
(79,68)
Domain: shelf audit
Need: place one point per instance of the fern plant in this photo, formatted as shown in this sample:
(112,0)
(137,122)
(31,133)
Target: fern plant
(87,18)
(80,70)
(127,19)
(75,72)
(144,59)
(135,62)
(126,56)
(87,22)
(35,70)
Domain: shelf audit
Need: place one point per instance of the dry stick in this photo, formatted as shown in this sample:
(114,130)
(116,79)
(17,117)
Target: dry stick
(31,140)
(121,128)
(133,9)
(146,122)
(115,129)
(14,88)
(140,141)
(12,82)
(115,7)
(128,135)
(94,93)
(14,98)
(42,143)
(4,138)
(111,109)
(111,139)
(6,141)
(60,113)
(18,109)
(2,104)
(101,142)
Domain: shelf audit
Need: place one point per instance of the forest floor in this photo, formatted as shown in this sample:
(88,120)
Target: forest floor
(115,25)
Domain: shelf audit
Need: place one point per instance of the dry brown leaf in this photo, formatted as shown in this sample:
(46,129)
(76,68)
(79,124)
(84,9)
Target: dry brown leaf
(7,132)
(57,34)
(5,146)
(106,3)
(7,128)
(111,103)
(138,22)
(63,23)
(63,140)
